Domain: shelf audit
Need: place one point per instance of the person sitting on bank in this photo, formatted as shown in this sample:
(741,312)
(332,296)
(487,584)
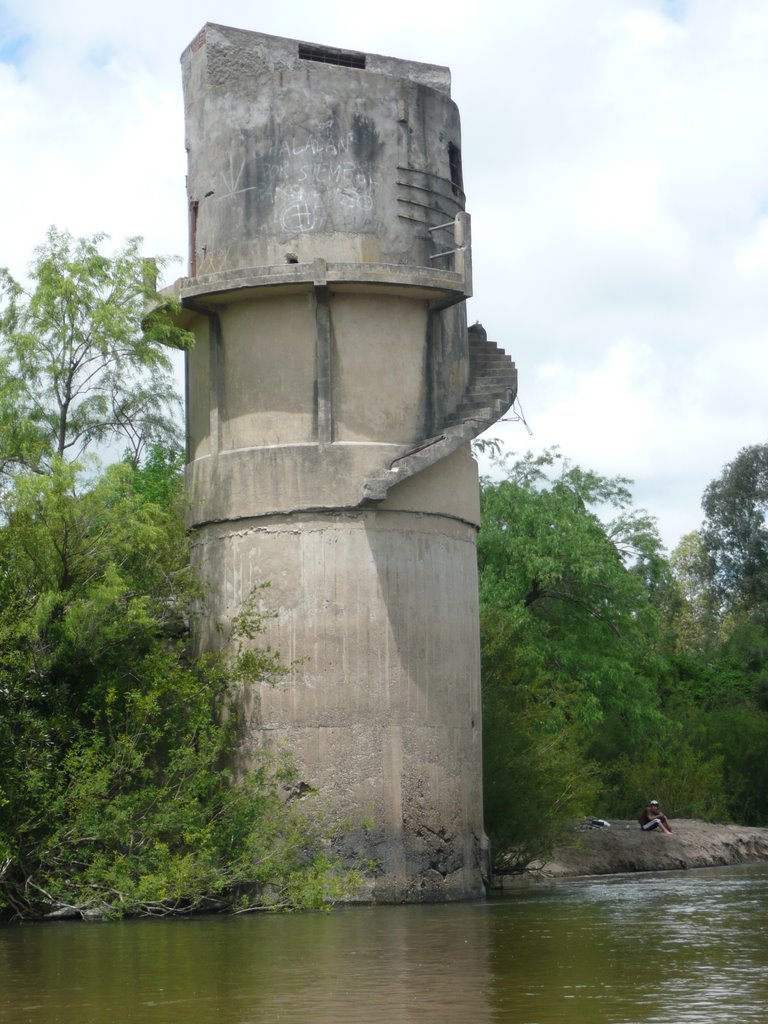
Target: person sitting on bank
(652,818)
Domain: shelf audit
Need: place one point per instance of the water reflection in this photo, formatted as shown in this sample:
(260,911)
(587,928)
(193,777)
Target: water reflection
(683,948)
(360,964)
(686,948)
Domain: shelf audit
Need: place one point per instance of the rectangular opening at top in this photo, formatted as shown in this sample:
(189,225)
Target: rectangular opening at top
(327,55)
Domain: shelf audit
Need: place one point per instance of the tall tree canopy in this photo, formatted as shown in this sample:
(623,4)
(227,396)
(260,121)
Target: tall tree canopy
(568,604)
(735,530)
(724,576)
(117,793)
(82,360)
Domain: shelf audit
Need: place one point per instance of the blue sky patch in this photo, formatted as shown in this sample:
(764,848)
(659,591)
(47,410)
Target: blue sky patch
(99,56)
(13,48)
(676,9)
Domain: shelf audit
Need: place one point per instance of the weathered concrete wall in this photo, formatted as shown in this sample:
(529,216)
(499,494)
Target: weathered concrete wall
(383,710)
(293,155)
(327,454)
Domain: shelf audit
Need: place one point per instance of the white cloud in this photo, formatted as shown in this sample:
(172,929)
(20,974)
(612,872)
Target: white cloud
(615,162)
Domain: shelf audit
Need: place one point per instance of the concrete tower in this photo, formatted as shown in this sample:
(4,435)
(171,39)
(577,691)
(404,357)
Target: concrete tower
(332,393)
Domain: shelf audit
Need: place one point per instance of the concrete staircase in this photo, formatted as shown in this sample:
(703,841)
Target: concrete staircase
(491,390)
(492,384)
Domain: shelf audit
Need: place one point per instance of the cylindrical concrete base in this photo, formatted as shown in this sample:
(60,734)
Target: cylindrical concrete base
(377,613)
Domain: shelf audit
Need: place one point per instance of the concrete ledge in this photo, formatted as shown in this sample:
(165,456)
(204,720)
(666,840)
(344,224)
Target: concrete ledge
(280,480)
(238,285)
(625,848)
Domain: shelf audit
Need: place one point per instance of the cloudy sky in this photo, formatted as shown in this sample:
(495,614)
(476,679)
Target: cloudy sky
(616,169)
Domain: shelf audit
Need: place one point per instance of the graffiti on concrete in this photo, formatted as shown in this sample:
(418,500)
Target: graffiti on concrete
(316,178)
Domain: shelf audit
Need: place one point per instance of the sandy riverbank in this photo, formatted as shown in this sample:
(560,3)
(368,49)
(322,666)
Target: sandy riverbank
(624,847)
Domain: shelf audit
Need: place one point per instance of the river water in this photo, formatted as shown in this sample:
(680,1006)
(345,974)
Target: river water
(676,947)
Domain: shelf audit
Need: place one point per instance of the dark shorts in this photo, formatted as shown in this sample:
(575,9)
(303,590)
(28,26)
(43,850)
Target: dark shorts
(649,825)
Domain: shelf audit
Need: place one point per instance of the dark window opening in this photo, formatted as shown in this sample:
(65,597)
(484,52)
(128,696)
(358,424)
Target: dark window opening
(454,161)
(193,208)
(326,55)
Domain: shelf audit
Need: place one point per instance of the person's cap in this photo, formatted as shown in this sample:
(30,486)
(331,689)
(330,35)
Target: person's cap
(655,802)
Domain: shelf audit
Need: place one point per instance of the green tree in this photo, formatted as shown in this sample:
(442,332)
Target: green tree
(737,733)
(82,360)
(721,696)
(735,530)
(571,660)
(697,625)
(589,587)
(117,792)
(116,789)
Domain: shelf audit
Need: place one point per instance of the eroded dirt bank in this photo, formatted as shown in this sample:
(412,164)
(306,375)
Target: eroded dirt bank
(624,847)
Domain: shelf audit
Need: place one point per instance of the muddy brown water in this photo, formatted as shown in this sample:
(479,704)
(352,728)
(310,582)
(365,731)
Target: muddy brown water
(676,947)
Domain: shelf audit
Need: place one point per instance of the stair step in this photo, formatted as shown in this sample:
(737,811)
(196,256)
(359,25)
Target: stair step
(492,382)
(488,359)
(485,385)
(487,350)
(479,412)
(491,364)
